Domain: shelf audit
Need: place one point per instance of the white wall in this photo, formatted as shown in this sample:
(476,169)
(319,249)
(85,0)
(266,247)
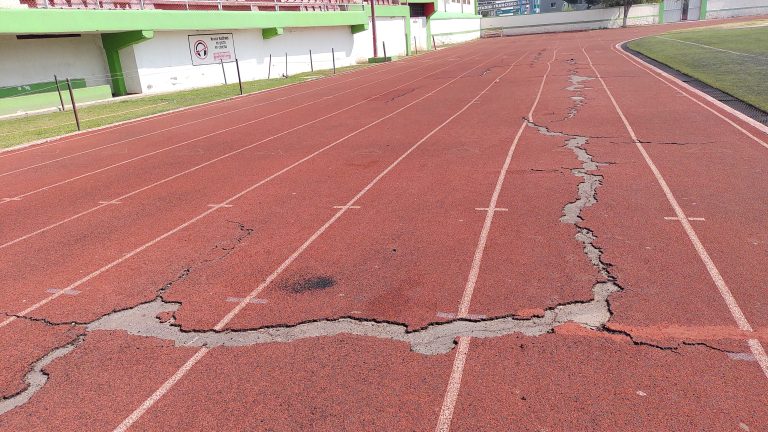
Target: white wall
(390,30)
(571,21)
(455,30)
(163,63)
(735,8)
(29,61)
(455,6)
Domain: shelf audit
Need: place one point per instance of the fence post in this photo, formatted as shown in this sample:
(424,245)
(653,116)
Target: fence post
(239,80)
(286,65)
(434,44)
(415,47)
(311,65)
(384,45)
(223,72)
(333,58)
(58,89)
(74,107)
(269,71)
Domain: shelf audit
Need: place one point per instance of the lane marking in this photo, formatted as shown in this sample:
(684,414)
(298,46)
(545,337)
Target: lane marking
(233,198)
(381,68)
(346,207)
(110,202)
(224,321)
(454,382)
(218,206)
(711,47)
(183,143)
(242,299)
(670,218)
(486,209)
(656,72)
(5,200)
(167,179)
(714,273)
(57,290)
(451,315)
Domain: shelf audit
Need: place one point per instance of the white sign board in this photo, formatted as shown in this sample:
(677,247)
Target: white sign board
(211,48)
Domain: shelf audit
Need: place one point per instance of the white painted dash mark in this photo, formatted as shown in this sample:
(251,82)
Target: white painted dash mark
(70,292)
(675,218)
(218,206)
(346,207)
(242,299)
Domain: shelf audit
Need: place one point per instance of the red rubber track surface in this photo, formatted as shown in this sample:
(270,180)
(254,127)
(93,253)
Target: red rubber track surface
(411,195)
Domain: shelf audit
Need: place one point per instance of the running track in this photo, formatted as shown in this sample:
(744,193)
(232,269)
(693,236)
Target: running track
(511,177)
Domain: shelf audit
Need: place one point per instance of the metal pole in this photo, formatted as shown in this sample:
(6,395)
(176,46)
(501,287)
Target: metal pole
(311,65)
(434,44)
(415,47)
(58,89)
(74,107)
(223,72)
(384,44)
(286,65)
(269,71)
(141,4)
(333,58)
(373,29)
(239,80)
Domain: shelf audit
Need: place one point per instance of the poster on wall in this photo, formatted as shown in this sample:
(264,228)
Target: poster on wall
(211,48)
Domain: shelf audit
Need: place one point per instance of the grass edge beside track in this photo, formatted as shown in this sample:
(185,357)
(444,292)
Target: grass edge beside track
(17,132)
(738,77)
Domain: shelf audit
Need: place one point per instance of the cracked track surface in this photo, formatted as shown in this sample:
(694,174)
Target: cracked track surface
(325,297)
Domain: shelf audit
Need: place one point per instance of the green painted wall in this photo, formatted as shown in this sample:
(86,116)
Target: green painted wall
(113,43)
(51,100)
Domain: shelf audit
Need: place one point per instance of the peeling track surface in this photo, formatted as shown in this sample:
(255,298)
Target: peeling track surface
(312,282)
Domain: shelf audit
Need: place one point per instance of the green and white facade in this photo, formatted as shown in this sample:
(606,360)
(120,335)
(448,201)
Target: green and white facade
(146,51)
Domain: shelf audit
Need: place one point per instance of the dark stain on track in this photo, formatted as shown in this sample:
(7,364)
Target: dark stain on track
(309,284)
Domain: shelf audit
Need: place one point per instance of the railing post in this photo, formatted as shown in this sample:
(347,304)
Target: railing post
(74,107)
(239,80)
(384,45)
(58,89)
(286,65)
(269,71)
(311,64)
(223,72)
(141,4)
(415,47)
(333,58)
(219,4)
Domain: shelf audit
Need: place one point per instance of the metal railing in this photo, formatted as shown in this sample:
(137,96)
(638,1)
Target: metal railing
(219,5)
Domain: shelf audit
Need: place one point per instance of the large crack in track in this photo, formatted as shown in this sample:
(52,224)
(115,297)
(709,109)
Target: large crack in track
(144,320)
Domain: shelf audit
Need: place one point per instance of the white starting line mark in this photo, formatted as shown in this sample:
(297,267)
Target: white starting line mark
(11,199)
(451,315)
(219,205)
(675,218)
(110,202)
(71,292)
(494,209)
(241,299)
(347,207)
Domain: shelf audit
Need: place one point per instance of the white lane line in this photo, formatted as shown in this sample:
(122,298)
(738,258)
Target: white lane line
(196,139)
(224,321)
(242,299)
(346,207)
(714,273)
(162,390)
(657,73)
(110,202)
(212,209)
(211,161)
(454,382)
(486,209)
(96,131)
(218,206)
(674,218)
(56,290)
(711,47)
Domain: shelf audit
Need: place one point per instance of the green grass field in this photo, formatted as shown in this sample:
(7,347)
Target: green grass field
(25,129)
(731,58)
